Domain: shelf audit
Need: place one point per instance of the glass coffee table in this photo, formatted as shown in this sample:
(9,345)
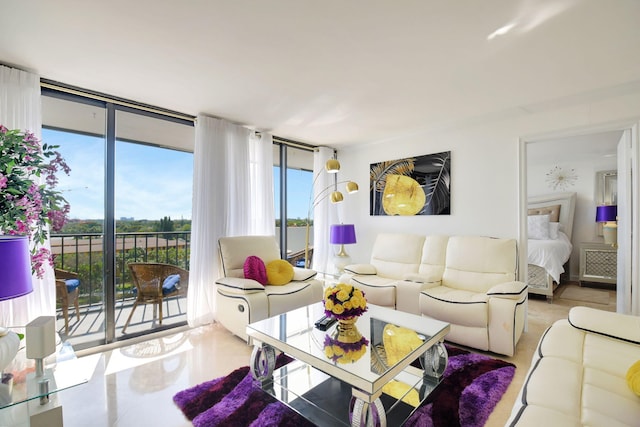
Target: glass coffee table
(375,375)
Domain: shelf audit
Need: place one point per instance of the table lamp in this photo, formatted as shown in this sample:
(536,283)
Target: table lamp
(608,214)
(15,281)
(342,234)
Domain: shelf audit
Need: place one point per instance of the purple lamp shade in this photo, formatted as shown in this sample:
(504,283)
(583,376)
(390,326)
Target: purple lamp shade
(15,267)
(607,213)
(342,234)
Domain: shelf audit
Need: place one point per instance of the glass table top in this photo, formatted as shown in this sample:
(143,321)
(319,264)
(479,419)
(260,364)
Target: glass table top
(385,343)
(61,372)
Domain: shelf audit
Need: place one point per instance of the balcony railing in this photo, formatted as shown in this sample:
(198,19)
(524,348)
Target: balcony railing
(83,254)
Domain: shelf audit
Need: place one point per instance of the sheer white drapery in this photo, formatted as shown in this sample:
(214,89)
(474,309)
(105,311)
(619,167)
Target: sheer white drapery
(324,213)
(262,220)
(232,196)
(21,108)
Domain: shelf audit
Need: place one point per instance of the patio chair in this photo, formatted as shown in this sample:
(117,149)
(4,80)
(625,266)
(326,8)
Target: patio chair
(154,282)
(67,291)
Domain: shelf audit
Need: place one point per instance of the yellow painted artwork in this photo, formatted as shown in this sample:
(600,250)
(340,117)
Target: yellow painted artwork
(402,195)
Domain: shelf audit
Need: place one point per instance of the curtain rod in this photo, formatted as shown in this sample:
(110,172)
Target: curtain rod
(48,84)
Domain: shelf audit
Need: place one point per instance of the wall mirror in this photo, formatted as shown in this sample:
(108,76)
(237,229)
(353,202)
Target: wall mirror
(606,191)
(606,188)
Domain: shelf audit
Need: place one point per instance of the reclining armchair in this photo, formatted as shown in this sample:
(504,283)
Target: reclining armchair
(241,300)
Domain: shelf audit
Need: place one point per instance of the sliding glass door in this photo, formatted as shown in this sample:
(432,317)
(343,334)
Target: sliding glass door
(129,192)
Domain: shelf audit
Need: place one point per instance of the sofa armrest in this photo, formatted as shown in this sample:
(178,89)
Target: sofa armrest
(303,274)
(238,285)
(509,290)
(361,269)
(616,325)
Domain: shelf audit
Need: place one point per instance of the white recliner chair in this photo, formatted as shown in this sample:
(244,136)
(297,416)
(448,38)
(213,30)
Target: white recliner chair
(240,301)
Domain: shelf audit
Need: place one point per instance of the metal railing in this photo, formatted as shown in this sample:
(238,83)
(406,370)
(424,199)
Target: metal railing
(83,254)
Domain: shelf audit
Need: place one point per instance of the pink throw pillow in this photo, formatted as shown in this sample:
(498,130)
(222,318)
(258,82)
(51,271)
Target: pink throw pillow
(255,269)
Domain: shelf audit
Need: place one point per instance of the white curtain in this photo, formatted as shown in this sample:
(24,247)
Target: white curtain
(262,220)
(21,108)
(324,213)
(232,181)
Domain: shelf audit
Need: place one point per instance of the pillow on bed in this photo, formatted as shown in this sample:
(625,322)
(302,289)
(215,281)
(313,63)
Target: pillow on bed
(538,227)
(554,229)
(553,212)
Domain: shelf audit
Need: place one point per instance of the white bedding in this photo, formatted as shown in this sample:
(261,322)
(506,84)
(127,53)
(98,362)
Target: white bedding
(550,254)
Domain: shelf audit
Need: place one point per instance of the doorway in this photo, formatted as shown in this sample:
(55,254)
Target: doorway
(569,161)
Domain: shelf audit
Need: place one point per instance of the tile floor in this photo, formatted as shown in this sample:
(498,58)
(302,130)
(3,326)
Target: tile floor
(134,385)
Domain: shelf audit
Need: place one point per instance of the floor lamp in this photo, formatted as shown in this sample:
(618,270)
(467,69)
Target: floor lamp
(331,166)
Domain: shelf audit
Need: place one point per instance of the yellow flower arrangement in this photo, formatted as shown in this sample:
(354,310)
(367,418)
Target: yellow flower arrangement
(341,352)
(344,301)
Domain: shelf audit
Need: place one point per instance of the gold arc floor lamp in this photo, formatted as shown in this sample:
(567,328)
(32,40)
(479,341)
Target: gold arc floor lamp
(331,166)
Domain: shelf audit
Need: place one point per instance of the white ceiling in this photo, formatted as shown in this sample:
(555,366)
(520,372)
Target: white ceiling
(332,72)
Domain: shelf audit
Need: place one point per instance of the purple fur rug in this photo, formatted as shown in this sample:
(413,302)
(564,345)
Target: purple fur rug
(471,387)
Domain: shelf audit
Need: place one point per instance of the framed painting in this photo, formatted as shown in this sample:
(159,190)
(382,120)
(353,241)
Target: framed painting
(412,186)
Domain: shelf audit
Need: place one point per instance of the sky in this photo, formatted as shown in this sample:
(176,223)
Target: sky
(151,182)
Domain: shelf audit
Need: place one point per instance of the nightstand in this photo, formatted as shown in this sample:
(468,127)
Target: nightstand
(598,263)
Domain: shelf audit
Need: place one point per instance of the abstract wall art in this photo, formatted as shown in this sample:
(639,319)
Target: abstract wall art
(412,186)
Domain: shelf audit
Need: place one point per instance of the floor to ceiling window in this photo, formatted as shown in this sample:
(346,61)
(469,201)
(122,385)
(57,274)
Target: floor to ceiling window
(293,178)
(130,192)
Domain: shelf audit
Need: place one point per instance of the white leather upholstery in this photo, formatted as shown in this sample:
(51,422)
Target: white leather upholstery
(241,301)
(468,281)
(479,296)
(577,375)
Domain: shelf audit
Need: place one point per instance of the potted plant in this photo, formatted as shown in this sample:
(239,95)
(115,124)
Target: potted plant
(29,203)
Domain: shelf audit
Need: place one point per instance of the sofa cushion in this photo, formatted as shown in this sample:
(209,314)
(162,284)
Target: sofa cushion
(292,295)
(633,377)
(394,255)
(578,378)
(255,269)
(476,263)
(279,272)
(455,306)
(433,256)
(378,290)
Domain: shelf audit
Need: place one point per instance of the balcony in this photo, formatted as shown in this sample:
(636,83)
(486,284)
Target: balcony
(83,254)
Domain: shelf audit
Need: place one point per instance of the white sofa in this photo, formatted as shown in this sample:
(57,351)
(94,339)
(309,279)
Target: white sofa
(577,374)
(241,301)
(468,281)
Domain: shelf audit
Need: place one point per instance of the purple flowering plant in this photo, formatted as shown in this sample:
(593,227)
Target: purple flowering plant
(28,206)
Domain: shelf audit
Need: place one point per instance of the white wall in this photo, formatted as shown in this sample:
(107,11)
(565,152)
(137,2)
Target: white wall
(485,174)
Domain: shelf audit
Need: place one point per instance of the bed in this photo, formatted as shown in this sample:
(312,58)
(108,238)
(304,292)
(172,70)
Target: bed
(548,254)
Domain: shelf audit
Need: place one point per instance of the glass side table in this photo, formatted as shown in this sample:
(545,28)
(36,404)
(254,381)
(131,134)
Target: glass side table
(30,400)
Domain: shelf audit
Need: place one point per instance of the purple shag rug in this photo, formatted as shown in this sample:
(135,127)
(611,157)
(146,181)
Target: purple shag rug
(471,387)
